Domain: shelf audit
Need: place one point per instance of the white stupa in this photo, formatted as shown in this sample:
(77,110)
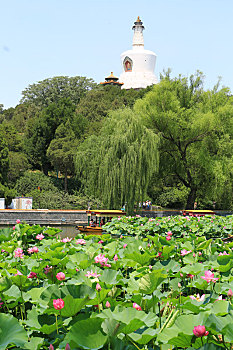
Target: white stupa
(138,64)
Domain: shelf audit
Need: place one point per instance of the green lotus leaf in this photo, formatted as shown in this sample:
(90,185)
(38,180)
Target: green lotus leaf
(167,251)
(73,306)
(5,234)
(34,343)
(51,292)
(150,282)
(142,259)
(220,307)
(100,296)
(86,334)
(13,293)
(224,259)
(145,337)
(5,283)
(109,276)
(11,332)
(44,323)
(78,291)
(111,327)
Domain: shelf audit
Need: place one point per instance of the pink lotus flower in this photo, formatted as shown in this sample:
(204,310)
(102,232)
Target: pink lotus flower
(199,253)
(168,238)
(66,240)
(32,275)
(185,252)
(169,233)
(125,245)
(51,347)
(194,255)
(19,253)
(150,267)
(48,269)
(230,293)
(60,276)
(224,253)
(108,304)
(17,221)
(18,273)
(159,254)
(67,347)
(219,298)
(189,275)
(198,297)
(1,303)
(33,250)
(58,304)
(13,228)
(81,241)
(92,274)
(137,307)
(40,237)
(115,257)
(98,287)
(101,241)
(209,277)
(100,259)
(200,331)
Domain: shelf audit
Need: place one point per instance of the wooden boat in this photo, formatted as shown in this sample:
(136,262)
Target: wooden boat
(198,213)
(97,218)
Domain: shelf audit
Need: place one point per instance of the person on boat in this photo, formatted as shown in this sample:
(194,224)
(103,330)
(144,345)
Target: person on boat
(92,224)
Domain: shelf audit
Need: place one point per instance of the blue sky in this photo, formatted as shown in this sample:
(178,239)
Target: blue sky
(45,38)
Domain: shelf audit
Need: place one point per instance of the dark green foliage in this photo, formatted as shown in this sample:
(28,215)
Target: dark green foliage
(52,90)
(62,149)
(49,195)
(18,164)
(117,165)
(187,119)
(4,155)
(41,132)
(97,103)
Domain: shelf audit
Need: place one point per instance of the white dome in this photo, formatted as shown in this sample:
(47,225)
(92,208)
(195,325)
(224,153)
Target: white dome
(138,64)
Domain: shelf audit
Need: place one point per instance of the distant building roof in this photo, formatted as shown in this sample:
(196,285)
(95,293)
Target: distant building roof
(111,80)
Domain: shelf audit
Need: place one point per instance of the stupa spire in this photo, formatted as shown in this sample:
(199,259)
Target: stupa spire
(138,40)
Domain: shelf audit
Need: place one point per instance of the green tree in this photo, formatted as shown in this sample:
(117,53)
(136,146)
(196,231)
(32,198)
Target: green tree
(186,119)
(117,165)
(51,90)
(97,103)
(62,149)
(41,132)
(18,164)
(4,156)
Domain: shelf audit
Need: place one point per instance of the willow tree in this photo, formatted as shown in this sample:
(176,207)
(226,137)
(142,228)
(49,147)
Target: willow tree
(117,165)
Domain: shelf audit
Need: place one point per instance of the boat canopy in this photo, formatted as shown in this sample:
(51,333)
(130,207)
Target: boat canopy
(105,213)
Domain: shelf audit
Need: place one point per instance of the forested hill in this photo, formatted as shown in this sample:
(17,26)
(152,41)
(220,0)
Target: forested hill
(71,143)
(40,137)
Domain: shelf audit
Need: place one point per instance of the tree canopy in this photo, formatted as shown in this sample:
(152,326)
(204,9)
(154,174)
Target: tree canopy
(187,120)
(117,165)
(62,149)
(51,90)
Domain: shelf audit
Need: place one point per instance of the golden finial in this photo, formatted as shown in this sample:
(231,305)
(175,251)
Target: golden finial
(138,19)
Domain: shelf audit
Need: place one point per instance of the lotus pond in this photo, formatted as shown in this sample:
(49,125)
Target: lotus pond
(163,283)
